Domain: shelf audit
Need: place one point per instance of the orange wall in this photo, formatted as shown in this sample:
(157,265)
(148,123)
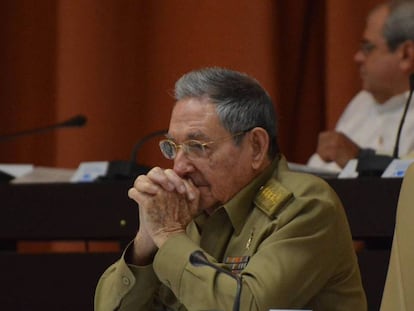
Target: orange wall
(346,22)
(116,62)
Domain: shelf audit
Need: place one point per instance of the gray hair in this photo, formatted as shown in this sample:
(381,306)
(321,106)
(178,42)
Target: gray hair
(241,103)
(399,26)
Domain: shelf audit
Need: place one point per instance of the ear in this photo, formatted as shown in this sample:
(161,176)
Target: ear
(259,143)
(407,56)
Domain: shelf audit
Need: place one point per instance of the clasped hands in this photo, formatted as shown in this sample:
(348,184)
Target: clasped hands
(167,204)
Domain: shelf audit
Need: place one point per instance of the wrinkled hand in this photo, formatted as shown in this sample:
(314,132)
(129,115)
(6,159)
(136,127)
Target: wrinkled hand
(337,147)
(167,204)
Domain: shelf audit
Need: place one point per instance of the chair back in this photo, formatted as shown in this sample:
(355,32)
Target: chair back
(399,285)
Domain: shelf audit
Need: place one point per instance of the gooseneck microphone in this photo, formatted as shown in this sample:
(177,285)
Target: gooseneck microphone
(198,259)
(76,121)
(407,104)
(142,141)
(129,170)
(371,164)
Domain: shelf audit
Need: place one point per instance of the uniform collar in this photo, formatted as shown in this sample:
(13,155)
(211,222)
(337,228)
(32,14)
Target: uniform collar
(239,207)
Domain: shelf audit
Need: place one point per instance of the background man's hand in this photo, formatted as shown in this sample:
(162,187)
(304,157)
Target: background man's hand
(335,146)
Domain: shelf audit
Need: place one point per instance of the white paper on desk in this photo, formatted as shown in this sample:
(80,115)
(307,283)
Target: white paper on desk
(397,168)
(41,174)
(350,170)
(16,170)
(297,167)
(90,171)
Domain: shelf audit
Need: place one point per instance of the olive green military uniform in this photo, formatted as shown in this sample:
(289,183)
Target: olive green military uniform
(285,234)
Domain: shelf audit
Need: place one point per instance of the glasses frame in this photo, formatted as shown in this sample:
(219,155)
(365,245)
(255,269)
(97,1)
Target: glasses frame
(184,146)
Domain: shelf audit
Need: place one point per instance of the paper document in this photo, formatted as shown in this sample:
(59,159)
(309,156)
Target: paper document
(41,174)
(90,171)
(350,170)
(16,170)
(397,168)
(312,170)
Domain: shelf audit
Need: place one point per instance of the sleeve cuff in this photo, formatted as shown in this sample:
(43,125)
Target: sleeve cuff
(172,258)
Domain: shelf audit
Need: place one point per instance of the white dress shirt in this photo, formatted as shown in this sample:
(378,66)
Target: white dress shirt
(373,125)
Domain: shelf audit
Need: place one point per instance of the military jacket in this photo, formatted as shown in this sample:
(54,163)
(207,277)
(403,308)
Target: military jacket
(286,237)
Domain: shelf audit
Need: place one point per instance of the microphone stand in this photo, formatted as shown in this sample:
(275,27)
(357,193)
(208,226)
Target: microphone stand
(397,141)
(142,141)
(76,121)
(371,164)
(198,259)
(129,170)
(4,177)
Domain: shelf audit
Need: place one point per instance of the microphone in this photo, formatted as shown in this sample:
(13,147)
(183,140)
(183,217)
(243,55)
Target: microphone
(407,104)
(127,170)
(371,164)
(198,259)
(4,177)
(142,141)
(76,121)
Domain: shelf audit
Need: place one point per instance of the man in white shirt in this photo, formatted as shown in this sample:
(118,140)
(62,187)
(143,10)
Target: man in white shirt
(370,122)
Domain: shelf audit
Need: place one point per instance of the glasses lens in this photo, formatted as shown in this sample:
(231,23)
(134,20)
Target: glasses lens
(168,149)
(194,148)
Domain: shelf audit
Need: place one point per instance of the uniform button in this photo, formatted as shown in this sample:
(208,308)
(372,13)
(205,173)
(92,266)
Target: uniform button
(125,281)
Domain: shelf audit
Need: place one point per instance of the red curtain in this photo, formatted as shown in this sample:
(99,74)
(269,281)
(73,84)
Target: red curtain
(116,62)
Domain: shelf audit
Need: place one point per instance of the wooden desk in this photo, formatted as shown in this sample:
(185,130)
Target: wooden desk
(102,211)
(42,212)
(370,204)
(67,211)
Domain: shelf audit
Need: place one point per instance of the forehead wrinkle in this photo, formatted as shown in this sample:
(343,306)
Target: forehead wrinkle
(194,119)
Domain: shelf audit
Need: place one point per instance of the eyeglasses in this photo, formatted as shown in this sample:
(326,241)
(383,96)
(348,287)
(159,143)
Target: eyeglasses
(192,148)
(366,47)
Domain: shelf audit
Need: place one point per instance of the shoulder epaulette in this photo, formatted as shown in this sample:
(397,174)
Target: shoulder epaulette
(272,196)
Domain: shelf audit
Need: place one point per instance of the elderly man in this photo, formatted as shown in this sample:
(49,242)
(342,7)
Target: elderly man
(230,195)
(370,122)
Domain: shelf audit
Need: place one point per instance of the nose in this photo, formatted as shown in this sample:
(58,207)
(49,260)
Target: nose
(359,57)
(182,165)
